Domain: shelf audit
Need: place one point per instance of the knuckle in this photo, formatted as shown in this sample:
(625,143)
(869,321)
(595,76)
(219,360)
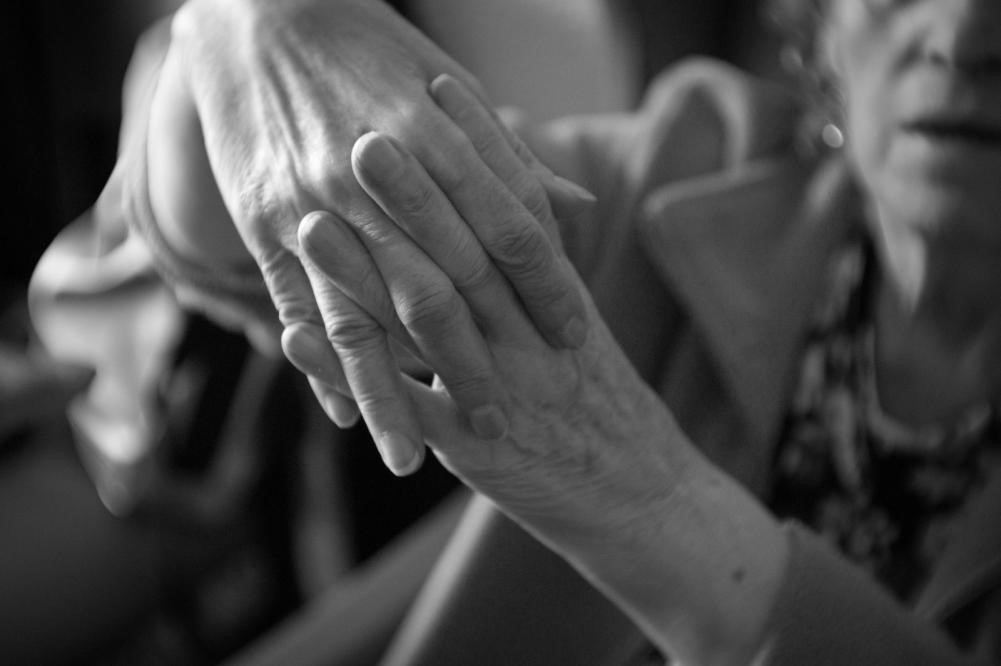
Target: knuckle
(352,332)
(377,400)
(372,227)
(290,295)
(473,384)
(412,117)
(477,275)
(431,311)
(522,151)
(273,263)
(260,209)
(487,144)
(415,199)
(183,24)
(531,194)
(523,252)
(323,176)
(292,311)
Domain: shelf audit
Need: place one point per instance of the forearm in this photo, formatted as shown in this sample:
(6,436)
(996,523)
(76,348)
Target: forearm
(682,548)
(714,563)
(702,567)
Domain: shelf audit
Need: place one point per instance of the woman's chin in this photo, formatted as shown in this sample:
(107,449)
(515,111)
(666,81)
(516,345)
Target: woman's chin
(943,210)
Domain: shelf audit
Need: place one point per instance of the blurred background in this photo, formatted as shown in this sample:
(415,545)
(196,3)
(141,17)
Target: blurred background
(81,585)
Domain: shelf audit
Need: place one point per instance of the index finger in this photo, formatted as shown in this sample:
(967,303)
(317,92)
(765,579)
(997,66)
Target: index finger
(509,214)
(544,193)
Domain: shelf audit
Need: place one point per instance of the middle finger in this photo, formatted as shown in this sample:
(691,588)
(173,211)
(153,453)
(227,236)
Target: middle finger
(435,316)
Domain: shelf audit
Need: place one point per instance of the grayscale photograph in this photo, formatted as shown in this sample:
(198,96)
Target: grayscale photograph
(501,332)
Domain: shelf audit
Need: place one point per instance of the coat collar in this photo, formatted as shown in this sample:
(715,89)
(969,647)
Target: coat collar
(744,251)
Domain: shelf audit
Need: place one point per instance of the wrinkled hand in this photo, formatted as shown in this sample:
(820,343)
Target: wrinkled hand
(508,406)
(552,425)
(265,100)
(568,441)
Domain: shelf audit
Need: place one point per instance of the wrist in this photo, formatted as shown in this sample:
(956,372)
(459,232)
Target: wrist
(681,547)
(703,576)
(698,566)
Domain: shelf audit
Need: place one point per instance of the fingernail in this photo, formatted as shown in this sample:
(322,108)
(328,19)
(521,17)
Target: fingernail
(379,156)
(444,87)
(399,453)
(488,422)
(574,189)
(574,334)
(321,236)
(306,347)
(308,350)
(341,411)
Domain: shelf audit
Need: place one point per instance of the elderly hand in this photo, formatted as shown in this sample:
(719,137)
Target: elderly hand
(507,404)
(264,100)
(572,443)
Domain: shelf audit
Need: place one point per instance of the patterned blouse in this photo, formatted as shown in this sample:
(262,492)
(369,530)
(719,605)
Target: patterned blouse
(883,492)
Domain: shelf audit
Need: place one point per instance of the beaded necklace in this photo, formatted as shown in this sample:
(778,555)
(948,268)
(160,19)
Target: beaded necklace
(883,492)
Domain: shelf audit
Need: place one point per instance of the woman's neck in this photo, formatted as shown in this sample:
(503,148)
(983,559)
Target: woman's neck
(938,326)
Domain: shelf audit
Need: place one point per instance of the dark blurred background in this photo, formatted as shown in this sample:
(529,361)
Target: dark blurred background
(62,66)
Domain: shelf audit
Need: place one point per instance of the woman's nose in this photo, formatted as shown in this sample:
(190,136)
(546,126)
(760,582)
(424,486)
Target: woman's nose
(966,35)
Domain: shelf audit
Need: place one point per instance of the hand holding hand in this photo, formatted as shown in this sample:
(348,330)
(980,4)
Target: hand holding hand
(507,404)
(568,441)
(265,100)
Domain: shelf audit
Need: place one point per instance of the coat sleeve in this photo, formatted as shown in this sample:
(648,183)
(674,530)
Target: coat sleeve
(107,294)
(829,612)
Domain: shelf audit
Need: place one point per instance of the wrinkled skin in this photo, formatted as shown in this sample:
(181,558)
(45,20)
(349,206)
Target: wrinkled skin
(587,457)
(265,100)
